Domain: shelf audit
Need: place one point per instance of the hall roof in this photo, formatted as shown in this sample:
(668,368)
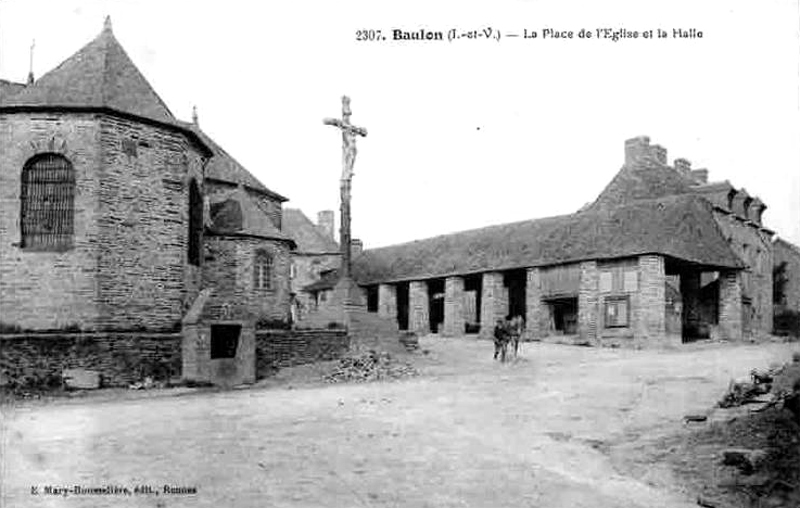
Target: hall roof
(680,226)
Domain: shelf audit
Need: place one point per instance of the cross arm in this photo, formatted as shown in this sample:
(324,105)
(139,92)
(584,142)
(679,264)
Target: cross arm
(352,129)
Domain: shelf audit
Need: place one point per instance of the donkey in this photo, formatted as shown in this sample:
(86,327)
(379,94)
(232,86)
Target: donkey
(516,327)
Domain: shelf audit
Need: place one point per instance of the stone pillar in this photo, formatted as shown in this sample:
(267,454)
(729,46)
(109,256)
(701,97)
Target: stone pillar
(690,297)
(418,307)
(537,315)
(387,301)
(453,307)
(588,302)
(649,316)
(494,302)
(730,304)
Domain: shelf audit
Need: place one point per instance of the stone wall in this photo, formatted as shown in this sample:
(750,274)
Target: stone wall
(127,267)
(730,305)
(789,254)
(453,307)
(37,360)
(494,302)
(387,301)
(649,314)
(283,348)
(49,290)
(307,269)
(144,278)
(418,307)
(754,246)
(229,270)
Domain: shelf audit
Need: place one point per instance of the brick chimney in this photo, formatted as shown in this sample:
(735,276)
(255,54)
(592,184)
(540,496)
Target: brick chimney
(356,247)
(684,167)
(699,175)
(639,150)
(325,223)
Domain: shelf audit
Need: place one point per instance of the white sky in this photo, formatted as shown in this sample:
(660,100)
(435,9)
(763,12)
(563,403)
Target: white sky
(462,134)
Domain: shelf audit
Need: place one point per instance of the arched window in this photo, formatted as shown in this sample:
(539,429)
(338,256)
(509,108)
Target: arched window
(262,271)
(195,222)
(47,203)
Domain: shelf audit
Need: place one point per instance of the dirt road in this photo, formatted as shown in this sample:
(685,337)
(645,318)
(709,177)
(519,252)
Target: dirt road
(468,432)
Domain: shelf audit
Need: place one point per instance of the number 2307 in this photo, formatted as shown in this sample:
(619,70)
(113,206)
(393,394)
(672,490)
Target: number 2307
(369,35)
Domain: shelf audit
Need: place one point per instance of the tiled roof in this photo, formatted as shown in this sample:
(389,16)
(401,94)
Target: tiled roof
(310,240)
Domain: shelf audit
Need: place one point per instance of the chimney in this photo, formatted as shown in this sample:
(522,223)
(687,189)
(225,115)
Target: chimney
(195,120)
(325,223)
(356,247)
(699,175)
(684,167)
(639,150)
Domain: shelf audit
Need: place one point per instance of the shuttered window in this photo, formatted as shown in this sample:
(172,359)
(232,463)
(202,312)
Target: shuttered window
(47,202)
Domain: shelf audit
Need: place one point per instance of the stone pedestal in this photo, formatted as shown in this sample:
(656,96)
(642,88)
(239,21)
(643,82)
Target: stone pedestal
(730,305)
(650,319)
(387,301)
(453,307)
(494,302)
(419,305)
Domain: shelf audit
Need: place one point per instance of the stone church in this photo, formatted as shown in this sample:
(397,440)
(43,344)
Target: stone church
(118,217)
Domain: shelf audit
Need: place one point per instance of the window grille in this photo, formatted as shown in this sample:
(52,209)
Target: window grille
(263,271)
(47,202)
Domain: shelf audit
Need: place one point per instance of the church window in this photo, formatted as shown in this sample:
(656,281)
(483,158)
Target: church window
(263,271)
(195,222)
(47,203)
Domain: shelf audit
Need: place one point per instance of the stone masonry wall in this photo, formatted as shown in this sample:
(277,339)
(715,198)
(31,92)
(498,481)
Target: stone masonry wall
(49,290)
(229,270)
(144,278)
(307,268)
(418,305)
(537,314)
(453,307)
(785,253)
(649,315)
(387,301)
(279,348)
(730,305)
(494,302)
(754,246)
(37,360)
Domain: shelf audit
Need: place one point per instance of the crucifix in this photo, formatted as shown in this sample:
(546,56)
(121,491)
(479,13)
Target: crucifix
(349,133)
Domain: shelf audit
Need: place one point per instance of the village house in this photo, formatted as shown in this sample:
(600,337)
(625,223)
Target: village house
(662,256)
(121,225)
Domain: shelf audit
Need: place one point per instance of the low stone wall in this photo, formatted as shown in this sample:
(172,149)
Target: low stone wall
(36,360)
(284,348)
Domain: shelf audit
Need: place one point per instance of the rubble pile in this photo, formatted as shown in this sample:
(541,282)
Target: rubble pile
(370,366)
(755,391)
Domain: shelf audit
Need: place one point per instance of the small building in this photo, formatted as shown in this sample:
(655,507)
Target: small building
(317,254)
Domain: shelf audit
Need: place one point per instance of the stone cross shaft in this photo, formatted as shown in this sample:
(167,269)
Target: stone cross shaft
(349,134)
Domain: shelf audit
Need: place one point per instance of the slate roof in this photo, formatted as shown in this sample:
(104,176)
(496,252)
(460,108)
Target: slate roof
(310,240)
(236,213)
(223,167)
(633,183)
(680,226)
(100,76)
